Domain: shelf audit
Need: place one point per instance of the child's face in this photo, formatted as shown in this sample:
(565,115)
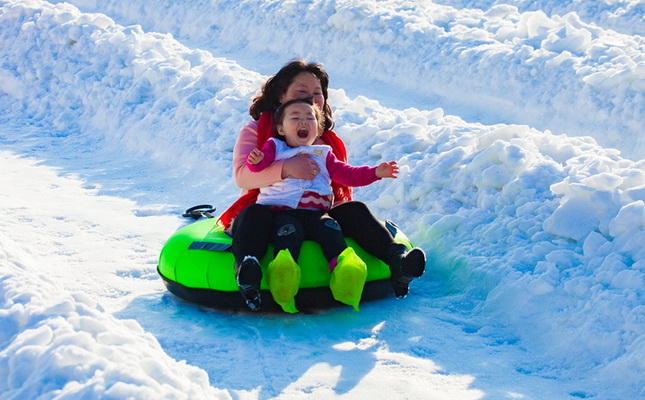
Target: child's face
(299,125)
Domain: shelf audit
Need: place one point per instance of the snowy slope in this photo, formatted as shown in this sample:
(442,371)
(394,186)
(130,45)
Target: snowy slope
(625,16)
(488,65)
(535,276)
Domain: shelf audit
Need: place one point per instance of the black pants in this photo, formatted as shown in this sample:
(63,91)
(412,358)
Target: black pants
(292,227)
(252,230)
(358,223)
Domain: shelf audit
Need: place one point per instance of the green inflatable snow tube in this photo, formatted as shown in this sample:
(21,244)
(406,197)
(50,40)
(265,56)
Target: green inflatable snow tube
(196,265)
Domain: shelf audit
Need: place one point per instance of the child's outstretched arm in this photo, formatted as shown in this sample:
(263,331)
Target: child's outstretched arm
(364,175)
(387,170)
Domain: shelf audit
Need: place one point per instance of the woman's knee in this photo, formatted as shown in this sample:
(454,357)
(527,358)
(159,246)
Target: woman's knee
(256,216)
(352,209)
(254,211)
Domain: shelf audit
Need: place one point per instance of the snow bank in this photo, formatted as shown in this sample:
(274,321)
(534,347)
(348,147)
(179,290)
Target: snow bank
(625,16)
(60,345)
(120,82)
(551,227)
(498,64)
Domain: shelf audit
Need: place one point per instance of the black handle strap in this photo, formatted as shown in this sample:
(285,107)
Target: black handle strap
(197,212)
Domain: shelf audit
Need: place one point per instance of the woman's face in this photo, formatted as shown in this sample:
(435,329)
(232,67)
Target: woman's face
(304,85)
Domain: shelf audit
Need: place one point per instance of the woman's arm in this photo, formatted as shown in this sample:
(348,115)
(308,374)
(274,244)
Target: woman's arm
(299,167)
(247,140)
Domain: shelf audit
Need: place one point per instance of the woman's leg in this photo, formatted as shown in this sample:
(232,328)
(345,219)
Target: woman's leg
(251,234)
(359,223)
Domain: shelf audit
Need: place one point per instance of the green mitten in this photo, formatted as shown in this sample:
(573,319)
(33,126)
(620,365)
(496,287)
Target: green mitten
(348,278)
(283,278)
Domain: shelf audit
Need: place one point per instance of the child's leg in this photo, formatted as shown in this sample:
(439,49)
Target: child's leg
(283,279)
(349,272)
(283,274)
(288,233)
(327,233)
(348,278)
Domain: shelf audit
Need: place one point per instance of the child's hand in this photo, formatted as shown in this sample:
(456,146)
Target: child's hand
(387,170)
(255,156)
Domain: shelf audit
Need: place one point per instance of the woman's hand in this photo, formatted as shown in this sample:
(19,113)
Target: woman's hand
(387,170)
(299,167)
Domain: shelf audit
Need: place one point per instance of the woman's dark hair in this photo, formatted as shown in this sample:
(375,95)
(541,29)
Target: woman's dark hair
(278,116)
(274,88)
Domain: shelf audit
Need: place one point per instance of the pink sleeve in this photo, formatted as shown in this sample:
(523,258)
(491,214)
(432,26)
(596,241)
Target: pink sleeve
(247,140)
(269,150)
(348,175)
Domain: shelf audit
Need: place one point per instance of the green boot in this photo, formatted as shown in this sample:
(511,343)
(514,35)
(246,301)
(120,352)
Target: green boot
(283,278)
(348,278)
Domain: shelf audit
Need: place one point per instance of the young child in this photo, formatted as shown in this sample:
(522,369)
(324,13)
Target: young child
(300,206)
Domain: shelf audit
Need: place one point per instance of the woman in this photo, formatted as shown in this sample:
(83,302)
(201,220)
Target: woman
(250,224)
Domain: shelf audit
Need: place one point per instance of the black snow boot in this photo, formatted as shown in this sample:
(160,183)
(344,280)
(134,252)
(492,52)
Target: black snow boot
(248,276)
(405,265)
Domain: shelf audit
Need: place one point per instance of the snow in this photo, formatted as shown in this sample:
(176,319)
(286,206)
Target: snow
(517,126)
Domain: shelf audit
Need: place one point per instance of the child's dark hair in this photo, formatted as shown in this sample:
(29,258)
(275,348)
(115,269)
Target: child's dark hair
(278,116)
(276,87)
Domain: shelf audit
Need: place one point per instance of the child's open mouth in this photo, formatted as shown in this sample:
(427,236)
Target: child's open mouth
(303,133)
